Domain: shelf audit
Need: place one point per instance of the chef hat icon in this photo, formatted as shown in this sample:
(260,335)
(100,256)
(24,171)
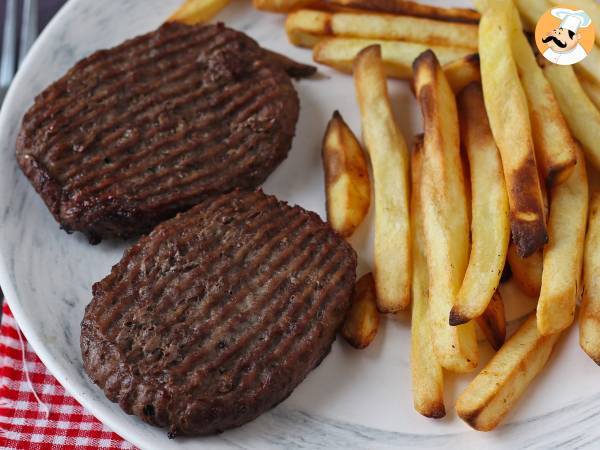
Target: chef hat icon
(571,20)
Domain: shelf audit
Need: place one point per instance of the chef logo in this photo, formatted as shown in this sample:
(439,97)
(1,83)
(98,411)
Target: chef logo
(564,36)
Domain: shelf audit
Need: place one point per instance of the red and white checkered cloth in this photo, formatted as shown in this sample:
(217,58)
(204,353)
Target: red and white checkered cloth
(23,422)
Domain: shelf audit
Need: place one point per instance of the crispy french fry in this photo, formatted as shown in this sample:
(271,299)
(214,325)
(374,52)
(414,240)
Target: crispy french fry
(427,373)
(590,65)
(563,255)
(527,272)
(389,159)
(490,224)
(410,8)
(508,114)
(445,214)
(306,27)
(579,111)
(591,89)
(362,320)
(397,56)
(347,186)
(531,11)
(282,6)
(589,316)
(492,393)
(493,322)
(591,7)
(462,71)
(318,24)
(553,143)
(192,12)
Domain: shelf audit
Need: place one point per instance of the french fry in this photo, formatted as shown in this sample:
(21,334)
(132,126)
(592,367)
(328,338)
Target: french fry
(493,322)
(591,7)
(498,387)
(308,26)
(553,143)
(508,114)
(410,8)
(490,224)
(397,57)
(579,111)
(362,320)
(591,89)
(462,72)
(590,65)
(527,272)
(427,374)
(282,6)
(531,11)
(589,316)
(347,186)
(564,253)
(192,12)
(389,159)
(445,214)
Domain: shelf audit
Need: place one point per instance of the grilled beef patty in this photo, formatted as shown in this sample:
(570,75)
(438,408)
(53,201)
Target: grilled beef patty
(132,135)
(218,314)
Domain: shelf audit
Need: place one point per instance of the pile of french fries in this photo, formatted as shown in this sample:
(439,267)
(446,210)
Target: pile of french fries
(497,179)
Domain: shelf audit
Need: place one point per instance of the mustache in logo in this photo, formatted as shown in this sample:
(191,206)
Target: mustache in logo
(556,41)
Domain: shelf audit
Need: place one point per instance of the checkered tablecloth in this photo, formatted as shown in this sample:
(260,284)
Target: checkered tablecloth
(27,424)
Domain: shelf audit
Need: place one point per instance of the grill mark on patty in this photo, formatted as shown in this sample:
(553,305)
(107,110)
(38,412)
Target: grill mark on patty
(279,307)
(275,347)
(141,165)
(101,67)
(218,332)
(241,352)
(212,256)
(151,142)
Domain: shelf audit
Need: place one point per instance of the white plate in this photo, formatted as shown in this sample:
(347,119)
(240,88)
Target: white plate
(355,398)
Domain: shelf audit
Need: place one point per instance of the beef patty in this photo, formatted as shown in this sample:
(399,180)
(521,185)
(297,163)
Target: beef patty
(219,313)
(132,135)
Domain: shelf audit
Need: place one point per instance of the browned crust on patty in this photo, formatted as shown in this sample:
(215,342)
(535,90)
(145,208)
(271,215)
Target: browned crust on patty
(132,135)
(218,314)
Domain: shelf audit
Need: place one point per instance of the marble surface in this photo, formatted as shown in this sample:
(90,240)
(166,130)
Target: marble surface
(354,399)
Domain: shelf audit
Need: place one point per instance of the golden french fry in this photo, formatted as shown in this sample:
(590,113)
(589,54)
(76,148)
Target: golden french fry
(362,320)
(410,8)
(282,6)
(318,24)
(508,114)
(579,111)
(389,159)
(531,11)
(490,224)
(306,27)
(591,89)
(347,186)
(564,253)
(527,272)
(589,316)
(498,387)
(591,7)
(553,143)
(462,72)
(493,322)
(427,374)
(445,214)
(590,65)
(192,12)
(397,57)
